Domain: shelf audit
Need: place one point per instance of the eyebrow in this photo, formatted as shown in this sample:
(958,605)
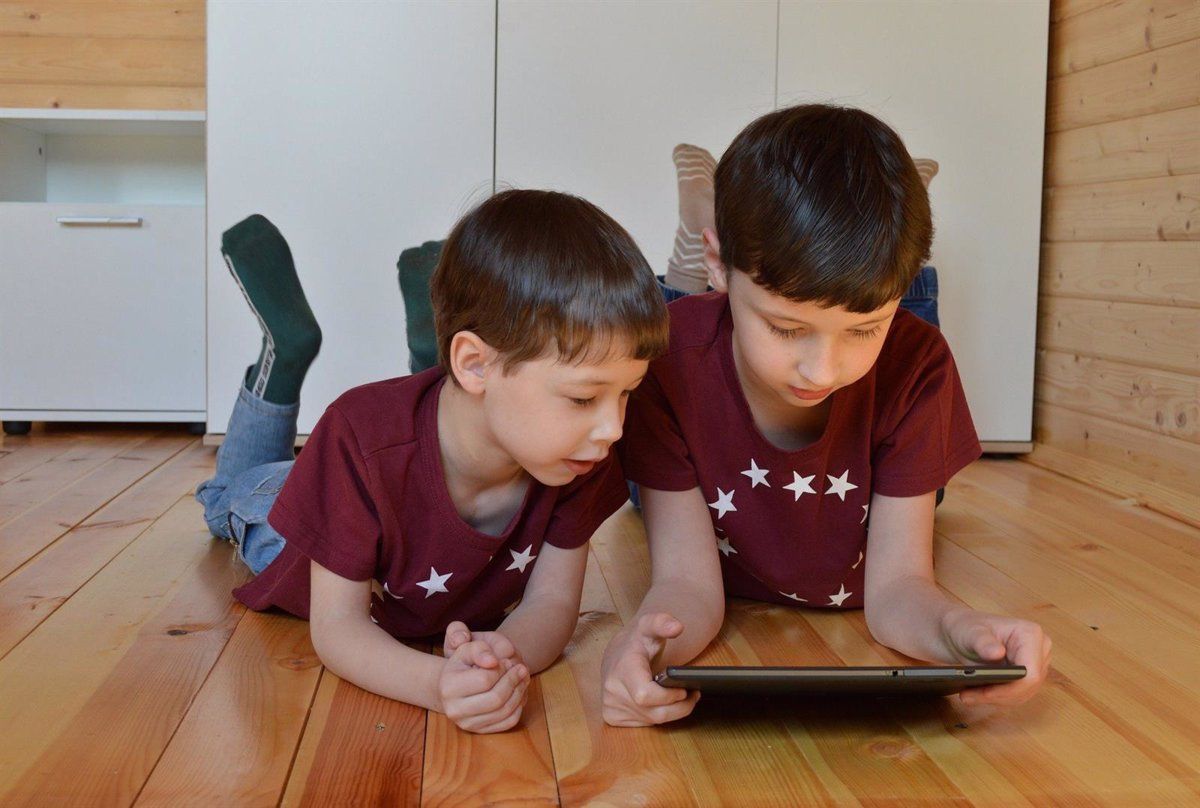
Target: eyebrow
(791,319)
(601,382)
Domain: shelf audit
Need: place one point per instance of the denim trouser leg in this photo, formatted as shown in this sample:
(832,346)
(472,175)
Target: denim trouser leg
(252,464)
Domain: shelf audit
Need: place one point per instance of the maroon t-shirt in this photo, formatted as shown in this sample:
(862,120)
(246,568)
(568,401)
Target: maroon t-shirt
(792,526)
(367,500)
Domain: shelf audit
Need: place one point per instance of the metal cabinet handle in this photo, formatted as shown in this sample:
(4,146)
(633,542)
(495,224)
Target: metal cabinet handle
(101,221)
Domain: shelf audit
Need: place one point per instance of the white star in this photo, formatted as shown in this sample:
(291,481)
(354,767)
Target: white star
(724,503)
(800,485)
(520,560)
(724,546)
(842,594)
(390,592)
(856,563)
(840,485)
(794,597)
(865,509)
(435,583)
(509,608)
(757,475)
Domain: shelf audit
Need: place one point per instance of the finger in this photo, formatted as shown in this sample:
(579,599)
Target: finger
(672,712)
(983,644)
(506,715)
(659,625)
(501,646)
(495,697)
(468,681)
(457,634)
(477,653)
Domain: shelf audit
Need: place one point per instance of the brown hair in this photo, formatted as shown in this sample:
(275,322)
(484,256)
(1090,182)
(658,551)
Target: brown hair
(531,271)
(823,203)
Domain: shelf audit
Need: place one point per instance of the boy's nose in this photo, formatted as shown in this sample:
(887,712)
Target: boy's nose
(608,428)
(820,369)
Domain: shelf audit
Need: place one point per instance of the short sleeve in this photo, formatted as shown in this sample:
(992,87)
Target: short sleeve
(928,433)
(584,504)
(325,509)
(653,450)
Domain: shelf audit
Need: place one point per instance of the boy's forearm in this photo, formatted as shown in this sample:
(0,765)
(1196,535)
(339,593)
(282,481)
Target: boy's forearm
(909,615)
(540,631)
(362,653)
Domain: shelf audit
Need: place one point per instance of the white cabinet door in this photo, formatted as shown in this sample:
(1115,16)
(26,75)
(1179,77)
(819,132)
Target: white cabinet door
(100,318)
(360,129)
(592,96)
(964,84)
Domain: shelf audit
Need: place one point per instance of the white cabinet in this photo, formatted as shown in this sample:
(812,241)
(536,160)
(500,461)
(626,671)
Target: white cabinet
(359,129)
(592,97)
(964,84)
(102,267)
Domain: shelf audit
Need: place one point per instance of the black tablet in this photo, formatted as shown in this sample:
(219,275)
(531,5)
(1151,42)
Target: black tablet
(882,681)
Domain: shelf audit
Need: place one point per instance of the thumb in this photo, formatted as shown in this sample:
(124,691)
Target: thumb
(656,628)
(478,654)
(983,644)
(457,634)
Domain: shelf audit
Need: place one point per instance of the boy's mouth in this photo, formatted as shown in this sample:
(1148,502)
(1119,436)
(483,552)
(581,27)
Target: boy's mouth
(580,466)
(810,395)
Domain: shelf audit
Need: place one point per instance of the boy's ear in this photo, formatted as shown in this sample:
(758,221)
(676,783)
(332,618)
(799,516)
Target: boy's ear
(470,359)
(717,274)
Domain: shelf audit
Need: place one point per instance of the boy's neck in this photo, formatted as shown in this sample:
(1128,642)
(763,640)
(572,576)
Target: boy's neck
(485,483)
(787,428)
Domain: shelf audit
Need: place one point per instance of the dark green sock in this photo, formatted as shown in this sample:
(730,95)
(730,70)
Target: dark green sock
(416,267)
(261,263)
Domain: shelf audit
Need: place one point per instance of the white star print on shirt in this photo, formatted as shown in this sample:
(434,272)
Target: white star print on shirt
(794,597)
(856,563)
(757,475)
(840,597)
(840,485)
(866,508)
(800,485)
(435,583)
(391,593)
(724,503)
(724,546)
(520,560)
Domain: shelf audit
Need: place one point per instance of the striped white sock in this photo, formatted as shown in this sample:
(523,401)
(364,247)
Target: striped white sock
(694,169)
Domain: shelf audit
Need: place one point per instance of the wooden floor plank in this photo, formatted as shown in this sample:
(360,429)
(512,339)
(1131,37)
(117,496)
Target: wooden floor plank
(357,749)
(28,534)
(508,768)
(98,689)
(1120,729)
(22,454)
(237,741)
(32,592)
(596,763)
(38,484)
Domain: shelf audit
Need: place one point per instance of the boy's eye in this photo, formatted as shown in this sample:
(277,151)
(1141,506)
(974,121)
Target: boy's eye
(783,332)
(582,402)
(865,334)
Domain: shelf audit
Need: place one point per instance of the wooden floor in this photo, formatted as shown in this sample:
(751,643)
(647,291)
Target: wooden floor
(128,675)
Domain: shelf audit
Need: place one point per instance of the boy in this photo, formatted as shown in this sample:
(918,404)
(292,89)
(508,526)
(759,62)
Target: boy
(795,403)
(457,496)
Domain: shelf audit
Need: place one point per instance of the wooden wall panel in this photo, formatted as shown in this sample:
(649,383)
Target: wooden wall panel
(1160,145)
(1162,208)
(1157,81)
(1166,273)
(124,54)
(1121,29)
(1117,391)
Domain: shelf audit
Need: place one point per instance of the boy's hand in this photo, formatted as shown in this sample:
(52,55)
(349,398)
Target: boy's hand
(457,635)
(631,697)
(479,692)
(988,638)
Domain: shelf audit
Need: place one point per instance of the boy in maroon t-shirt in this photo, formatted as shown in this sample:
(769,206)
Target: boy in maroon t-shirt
(796,408)
(463,496)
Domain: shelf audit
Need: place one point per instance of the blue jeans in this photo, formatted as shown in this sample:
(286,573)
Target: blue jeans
(920,299)
(252,464)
